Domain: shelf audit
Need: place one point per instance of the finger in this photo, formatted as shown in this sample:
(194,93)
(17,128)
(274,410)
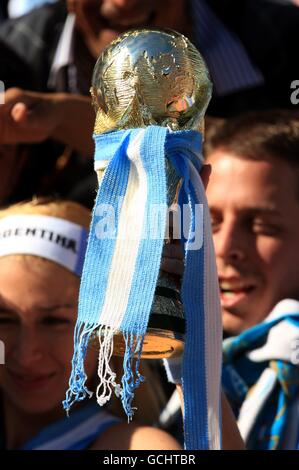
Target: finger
(13,95)
(172,266)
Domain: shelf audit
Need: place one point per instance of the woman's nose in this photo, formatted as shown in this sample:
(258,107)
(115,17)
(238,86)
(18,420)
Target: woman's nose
(28,347)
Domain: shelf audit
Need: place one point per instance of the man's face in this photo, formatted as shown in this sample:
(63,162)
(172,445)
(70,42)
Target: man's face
(109,18)
(255,218)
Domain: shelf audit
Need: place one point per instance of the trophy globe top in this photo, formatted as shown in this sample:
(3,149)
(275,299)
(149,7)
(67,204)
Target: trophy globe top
(150,77)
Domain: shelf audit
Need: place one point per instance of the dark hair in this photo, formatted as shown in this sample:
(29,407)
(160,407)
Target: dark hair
(258,136)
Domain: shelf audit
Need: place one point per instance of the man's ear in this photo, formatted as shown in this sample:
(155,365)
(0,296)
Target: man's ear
(205,174)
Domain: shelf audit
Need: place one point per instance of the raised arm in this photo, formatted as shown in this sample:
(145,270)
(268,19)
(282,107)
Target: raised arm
(28,117)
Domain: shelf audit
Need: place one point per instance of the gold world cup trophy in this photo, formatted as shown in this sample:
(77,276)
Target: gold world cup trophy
(153,77)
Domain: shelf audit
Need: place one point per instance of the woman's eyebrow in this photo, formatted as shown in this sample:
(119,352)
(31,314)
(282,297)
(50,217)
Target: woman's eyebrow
(43,308)
(5,305)
(49,308)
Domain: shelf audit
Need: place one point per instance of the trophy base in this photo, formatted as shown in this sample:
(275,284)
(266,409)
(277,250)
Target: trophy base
(158,344)
(165,334)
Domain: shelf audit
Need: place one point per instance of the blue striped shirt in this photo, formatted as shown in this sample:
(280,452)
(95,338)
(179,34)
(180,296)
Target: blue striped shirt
(230,66)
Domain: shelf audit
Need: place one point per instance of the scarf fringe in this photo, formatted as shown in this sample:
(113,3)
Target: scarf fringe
(77,390)
(131,378)
(105,373)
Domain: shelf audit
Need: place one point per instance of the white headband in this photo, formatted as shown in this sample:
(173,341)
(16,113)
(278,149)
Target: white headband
(52,238)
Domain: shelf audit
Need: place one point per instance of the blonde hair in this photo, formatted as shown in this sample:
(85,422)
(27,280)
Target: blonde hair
(67,210)
(150,397)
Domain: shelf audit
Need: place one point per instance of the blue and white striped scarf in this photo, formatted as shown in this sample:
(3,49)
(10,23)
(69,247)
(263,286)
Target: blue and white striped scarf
(78,432)
(122,267)
(261,379)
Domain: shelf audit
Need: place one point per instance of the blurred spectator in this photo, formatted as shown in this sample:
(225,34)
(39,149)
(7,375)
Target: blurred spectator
(26,170)
(254,204)
(31,117)
(63,56)
(21,7)
(267,33)
(13,71)
(252,67)
(37,327)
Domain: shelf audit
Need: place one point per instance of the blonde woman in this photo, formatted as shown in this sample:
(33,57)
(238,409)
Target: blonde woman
(42,248)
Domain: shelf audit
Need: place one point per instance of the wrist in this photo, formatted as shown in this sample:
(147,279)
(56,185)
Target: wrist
(173,369)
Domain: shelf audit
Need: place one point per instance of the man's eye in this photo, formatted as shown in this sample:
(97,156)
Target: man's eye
(266,229)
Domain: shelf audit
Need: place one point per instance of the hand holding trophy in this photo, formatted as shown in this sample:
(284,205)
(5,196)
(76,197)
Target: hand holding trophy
(150,90)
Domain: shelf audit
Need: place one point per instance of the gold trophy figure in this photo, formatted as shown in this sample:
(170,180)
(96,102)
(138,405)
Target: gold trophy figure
(144,78)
